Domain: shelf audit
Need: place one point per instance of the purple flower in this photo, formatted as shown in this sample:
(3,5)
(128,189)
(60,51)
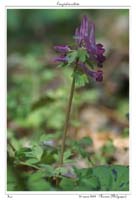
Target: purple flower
(61,58)
(85,40)
(97,75)
(82,33)
(85,37)
(62,48)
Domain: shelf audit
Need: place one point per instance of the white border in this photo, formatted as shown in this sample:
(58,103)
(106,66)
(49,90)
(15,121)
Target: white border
(132,72)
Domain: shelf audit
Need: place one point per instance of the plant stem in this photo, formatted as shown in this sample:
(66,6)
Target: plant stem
(67,118)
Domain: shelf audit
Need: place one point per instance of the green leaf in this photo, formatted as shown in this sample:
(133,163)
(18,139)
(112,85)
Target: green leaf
(11,179)
(82,55)
(120,178)
(85,141)
(27,163)
(72,56)
(89,184)
(49,170)
(24,153)
(117,177)
(32,161)
(29,155)
(36,182)
(103,174)
(60,171)
(86,180)
(103,178)
(67,154)
(67,184)
(81,145)
(84,172)
(80,79)
(61,65)
(15,181)
(108,148)
(37,152)
(90,63)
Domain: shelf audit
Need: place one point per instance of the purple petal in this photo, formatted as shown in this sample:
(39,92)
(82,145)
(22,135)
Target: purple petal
(61,59)
(86,26)
(92,34)
(100,49)
(85,37)
(77,36)
(62,48)
(101,58)
(82,31)
(97,75)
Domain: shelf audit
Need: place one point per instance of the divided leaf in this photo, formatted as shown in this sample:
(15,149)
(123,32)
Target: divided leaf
(82,55)
(80,78)
(67,184)
(72,56)
(103,178)
(37,182)
(113,178)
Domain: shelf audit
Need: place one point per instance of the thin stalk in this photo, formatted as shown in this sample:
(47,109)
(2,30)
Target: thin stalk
(67,118)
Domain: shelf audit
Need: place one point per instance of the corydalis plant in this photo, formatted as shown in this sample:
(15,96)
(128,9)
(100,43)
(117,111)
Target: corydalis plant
(86,54)
(86,58)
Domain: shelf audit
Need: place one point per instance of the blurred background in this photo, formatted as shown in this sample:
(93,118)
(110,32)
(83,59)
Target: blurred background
(38,91)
